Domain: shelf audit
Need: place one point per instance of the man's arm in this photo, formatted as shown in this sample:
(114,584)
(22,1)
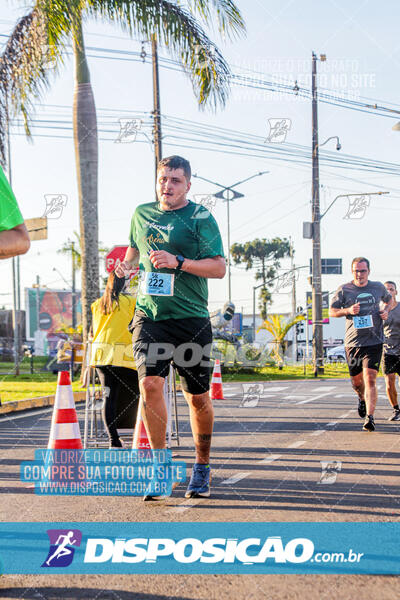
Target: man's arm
(14,241)
(384,312)
(211,268)
(130,261)
(344,312)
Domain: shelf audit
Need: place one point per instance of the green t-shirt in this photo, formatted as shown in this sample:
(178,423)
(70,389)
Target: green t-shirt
(10,215)
(191,231)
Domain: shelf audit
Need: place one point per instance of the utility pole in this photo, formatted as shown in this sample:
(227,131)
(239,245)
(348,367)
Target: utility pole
(156,104)
(15,264)
(317,327)
(292,268)
(73,285)
(37,286)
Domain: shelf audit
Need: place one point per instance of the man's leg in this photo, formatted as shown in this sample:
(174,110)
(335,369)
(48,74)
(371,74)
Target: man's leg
(371,395)
(371,392)
(201,421)
(154,410)
(357,381)
(391,391)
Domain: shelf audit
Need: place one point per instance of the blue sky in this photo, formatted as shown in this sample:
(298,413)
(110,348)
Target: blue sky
(362,47)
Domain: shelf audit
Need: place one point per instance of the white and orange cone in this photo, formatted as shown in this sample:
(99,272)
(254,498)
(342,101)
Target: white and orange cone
(217,392)
(64,430)
(140,438)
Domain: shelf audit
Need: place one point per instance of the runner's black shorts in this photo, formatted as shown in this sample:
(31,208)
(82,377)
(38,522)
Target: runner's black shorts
(186,342)
(363,357)
(391,364)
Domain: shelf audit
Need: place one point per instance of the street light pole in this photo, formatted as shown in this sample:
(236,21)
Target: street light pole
(228,194)
(318,342)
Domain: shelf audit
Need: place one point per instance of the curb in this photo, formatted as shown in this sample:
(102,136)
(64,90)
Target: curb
(40,402)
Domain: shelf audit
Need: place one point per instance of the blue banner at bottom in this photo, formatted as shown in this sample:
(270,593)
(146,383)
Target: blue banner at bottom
(239,548)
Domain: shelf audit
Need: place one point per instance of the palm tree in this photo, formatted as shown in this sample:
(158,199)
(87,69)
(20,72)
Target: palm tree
(45,32)
(278,327)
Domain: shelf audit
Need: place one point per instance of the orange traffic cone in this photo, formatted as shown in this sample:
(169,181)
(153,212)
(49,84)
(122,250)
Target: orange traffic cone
(64,430)
(217,392)
(140,437)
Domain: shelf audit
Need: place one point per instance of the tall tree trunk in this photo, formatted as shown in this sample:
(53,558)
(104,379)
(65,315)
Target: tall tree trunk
(86,155)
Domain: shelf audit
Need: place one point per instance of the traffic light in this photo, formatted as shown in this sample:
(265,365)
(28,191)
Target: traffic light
(299,328)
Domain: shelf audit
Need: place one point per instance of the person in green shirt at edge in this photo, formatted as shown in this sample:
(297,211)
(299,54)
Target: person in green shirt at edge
(178,246)
(14,237)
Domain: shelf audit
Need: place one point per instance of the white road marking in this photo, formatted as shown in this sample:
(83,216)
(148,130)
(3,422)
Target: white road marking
(236,478)
(297,444)
(31,413)
(185,505)
(275,388)
(269,459)
(297,397)
(314,398)
(324,388)
(345,414)
(318,432)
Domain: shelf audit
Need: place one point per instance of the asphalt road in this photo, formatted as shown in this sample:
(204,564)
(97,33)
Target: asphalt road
(286,451)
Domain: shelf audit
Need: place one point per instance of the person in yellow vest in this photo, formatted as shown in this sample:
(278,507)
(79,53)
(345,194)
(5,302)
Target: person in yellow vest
(112,356)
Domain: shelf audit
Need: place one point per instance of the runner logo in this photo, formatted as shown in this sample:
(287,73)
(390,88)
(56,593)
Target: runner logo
(251,394)
(61,551)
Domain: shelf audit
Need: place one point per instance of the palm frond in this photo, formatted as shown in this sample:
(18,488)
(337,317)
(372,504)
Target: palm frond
(23,72)
(177,29)
(229,19)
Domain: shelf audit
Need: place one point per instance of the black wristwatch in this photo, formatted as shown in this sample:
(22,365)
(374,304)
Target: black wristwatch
(180,260)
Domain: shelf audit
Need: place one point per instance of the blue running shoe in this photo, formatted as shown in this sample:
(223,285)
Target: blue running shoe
(156,490)
(199,485)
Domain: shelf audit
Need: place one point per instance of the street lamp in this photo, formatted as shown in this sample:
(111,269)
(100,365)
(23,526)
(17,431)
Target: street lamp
(228,190)
(333,137)
(349,196)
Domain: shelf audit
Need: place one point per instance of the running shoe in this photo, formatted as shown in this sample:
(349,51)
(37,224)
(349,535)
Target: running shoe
(395,416)
(369,423)
(154,491)
(362,409)
(199,485)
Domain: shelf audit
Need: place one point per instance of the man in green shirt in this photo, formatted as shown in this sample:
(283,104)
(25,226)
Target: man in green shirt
(14,237)
(178,246)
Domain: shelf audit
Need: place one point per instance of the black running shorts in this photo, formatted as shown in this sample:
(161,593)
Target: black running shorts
(363,357)
(391,364)
(186,342)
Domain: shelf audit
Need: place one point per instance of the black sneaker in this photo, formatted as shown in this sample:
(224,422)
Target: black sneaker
(362,409)
(369,423)
(395,416)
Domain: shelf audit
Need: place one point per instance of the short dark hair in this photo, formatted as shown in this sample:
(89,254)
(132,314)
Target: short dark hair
(359,259)
(391,283)
(176,162)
